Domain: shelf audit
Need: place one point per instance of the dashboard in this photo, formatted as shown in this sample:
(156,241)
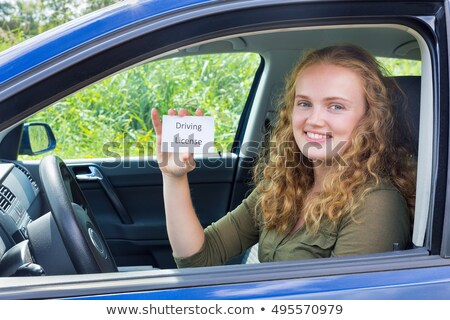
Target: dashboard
(20,204)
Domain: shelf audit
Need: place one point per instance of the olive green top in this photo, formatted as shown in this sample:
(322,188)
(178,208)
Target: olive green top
(380,221)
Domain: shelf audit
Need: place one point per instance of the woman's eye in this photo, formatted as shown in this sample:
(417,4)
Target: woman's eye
(336,107)
(303,104)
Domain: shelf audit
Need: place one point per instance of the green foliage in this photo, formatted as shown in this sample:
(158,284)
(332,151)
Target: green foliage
(23,19)
(93,5)
(112,118)
(401,67)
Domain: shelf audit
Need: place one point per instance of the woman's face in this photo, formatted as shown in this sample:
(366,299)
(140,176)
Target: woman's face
(329,103)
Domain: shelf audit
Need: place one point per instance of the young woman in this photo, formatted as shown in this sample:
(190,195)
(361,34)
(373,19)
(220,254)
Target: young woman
(339,181)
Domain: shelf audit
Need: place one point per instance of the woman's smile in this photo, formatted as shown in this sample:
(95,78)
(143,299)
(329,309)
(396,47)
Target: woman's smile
(317,136)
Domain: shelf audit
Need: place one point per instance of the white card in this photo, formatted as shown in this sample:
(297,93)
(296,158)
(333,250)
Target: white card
(194,134)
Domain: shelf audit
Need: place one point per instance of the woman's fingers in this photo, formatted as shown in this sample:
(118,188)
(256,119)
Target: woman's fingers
(157,124)
(199,112)
(188,159)
(183,112)
(172,112)
(156,121)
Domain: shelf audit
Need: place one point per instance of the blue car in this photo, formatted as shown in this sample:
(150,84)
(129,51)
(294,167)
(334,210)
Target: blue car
(81,205)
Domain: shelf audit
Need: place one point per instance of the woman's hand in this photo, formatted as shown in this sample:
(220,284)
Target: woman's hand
(172,164)
(183,227)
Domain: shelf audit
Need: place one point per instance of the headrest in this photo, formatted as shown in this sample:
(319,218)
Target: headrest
(410,86)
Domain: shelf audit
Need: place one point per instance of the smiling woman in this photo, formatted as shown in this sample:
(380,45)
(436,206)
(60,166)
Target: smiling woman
(350,104)
(98,77)
(336,99)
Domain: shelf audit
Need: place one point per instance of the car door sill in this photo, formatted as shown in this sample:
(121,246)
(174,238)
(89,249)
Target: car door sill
(110,283)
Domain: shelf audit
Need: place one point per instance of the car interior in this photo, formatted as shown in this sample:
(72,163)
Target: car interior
(121,203)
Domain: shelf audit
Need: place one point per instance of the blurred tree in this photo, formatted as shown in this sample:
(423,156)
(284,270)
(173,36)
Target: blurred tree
(22,19)
(93,5)
(52,13)
(19,15)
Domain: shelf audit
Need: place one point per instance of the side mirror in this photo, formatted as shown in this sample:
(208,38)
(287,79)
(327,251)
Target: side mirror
(37,138)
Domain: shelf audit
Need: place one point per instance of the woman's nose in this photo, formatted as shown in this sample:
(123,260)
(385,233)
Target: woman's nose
(315,117)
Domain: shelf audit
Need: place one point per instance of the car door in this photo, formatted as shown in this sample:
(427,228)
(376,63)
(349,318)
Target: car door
(376,273)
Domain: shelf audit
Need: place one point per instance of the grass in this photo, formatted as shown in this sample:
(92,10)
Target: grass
(112,117)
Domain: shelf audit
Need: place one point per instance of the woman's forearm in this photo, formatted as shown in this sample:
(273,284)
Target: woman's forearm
(183,227)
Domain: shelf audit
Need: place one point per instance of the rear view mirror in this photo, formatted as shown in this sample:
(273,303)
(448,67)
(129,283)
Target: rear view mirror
(37,138)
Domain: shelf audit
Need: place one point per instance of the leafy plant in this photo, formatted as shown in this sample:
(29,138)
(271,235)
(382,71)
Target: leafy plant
(112,118)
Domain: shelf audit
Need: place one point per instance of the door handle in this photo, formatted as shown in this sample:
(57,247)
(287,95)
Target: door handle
(94,175)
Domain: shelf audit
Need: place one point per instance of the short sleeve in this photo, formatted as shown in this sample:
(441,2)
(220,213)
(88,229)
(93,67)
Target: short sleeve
(382,220)
(228,237)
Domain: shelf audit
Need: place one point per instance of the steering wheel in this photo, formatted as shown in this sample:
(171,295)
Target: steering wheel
(82,238)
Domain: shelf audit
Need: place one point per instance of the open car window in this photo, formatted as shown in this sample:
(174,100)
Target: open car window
(111,118)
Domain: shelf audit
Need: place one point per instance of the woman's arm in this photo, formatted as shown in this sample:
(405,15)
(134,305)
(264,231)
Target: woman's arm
(183,227)
(228,237)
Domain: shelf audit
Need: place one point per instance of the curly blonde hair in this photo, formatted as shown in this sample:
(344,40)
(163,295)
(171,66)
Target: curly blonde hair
(381,151)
